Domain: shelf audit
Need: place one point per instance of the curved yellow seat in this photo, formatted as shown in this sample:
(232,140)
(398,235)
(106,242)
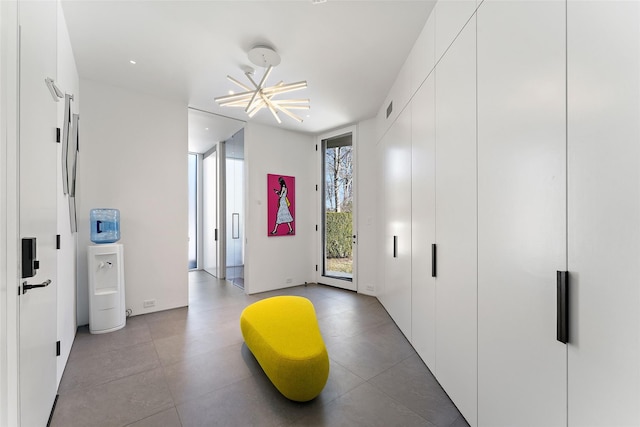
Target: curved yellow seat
(283,335)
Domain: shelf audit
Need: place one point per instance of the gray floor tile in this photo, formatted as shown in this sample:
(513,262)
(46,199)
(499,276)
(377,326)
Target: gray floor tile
(116,403)
(100,368)
(87,344)
(167,418)
(168,328)
(363,406)
(460,422)
(350,323)
(372,352)
(250,402)
(411,383)
(200,375)
(180,347)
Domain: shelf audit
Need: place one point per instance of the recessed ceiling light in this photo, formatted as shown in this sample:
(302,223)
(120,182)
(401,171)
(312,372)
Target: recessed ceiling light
(132,62)
(206,128)
(231,92)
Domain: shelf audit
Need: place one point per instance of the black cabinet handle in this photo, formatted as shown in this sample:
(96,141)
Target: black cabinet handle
(395,246)
(562,321)
(433,260)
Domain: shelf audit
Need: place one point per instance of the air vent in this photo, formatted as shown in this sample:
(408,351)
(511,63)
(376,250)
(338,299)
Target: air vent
(389,109)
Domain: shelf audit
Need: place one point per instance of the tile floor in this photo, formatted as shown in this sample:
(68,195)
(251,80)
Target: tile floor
(189,367)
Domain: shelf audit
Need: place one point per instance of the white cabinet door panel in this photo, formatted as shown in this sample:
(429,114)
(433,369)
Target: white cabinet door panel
(423,209)
(456,223)
(396,295)
(604,212)
(522,368)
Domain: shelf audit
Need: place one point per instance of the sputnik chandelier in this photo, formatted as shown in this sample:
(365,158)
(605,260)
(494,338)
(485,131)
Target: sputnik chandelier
(254,99)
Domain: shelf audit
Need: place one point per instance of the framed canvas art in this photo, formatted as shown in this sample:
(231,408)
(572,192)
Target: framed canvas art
(281,205)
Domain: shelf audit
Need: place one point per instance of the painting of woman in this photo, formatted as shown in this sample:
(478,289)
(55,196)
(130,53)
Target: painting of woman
(283,215)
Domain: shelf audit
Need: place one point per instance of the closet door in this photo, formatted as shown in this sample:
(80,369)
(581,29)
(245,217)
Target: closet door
(396,174)
(604,213)
(522,368)
(456,223)
(423,221)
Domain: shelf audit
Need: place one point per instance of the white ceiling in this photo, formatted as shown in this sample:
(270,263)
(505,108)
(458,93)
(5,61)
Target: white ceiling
(348,51)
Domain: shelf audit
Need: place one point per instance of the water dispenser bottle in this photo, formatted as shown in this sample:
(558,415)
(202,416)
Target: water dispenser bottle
(105,225)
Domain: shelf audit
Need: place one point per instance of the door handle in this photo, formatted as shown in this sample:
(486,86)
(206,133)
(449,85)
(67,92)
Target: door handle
(562,321)
(235,226)
(26,286)
(434,259)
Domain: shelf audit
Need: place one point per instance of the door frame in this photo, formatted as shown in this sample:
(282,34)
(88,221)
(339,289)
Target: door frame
(351,285)
(9,218)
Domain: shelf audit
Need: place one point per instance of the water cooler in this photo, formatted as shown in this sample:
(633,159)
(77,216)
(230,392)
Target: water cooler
(107,310)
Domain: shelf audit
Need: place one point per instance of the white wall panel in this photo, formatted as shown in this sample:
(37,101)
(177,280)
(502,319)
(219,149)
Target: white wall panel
(522,370)
(451,16)
(133,156)
(423,210)
(456,223)
(271,261)
(604,212)
(367,173)
(423,54)
(398,96)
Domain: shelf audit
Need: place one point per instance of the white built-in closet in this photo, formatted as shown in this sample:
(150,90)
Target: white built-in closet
(511,142)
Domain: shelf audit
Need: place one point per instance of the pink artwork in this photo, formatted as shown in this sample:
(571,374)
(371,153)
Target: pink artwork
(281,205)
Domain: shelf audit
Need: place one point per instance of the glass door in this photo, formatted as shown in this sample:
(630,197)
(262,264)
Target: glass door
(337,267)
(234,168)
(210,212)
(193,211)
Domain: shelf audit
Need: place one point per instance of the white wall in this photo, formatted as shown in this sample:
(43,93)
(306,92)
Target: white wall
(368,227)
(133,157)
(270,261)
(67,80)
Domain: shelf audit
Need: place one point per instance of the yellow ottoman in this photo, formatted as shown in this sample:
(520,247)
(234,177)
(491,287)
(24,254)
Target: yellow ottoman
(283,335)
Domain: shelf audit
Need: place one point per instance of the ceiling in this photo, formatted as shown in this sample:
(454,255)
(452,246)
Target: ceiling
(349,52)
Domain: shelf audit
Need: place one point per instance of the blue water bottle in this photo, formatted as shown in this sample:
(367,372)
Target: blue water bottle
(105,225)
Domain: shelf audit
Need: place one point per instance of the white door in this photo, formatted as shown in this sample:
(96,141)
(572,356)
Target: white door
(210,212)
(337,264)
(456,223)
(423,221)
(395,294)
(604,213)
(37,148)
(522,368)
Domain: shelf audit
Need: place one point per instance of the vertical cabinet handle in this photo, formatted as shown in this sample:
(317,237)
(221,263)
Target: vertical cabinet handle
(563,307)
(433,260)
(395,246)
(235,225)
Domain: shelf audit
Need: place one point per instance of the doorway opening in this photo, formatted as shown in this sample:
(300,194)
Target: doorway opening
(337,210)
(209,195)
